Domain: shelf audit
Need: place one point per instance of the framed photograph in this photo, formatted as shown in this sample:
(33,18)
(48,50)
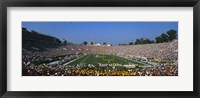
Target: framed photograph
(99,48)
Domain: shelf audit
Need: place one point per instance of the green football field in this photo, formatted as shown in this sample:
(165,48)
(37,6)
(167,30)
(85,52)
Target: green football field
(104,59)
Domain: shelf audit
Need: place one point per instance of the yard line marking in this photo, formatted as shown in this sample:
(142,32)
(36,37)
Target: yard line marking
(108,59)
(73,60)
(84,59)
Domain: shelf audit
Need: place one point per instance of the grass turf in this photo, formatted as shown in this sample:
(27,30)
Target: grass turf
(103,59)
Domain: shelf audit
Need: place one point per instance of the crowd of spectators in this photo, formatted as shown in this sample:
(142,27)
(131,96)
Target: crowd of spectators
(39,63)
(95,70)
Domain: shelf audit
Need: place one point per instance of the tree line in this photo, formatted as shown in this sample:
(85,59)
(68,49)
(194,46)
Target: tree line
(170,35)
(164,37)
(92,43)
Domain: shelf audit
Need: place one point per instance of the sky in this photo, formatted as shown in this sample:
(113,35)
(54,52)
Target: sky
(99,32)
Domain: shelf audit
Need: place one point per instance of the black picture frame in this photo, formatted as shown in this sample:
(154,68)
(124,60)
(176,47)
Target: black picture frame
(99,3)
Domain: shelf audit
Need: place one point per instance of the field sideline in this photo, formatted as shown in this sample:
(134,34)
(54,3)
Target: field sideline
(104,59)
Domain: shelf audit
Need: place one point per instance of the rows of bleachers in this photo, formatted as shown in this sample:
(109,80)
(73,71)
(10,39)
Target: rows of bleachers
(32,40)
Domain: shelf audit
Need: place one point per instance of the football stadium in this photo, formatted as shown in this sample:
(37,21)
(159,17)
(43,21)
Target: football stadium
(45,55)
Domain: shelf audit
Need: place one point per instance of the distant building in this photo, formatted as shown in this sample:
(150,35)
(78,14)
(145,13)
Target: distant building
(98,44)
(109,45)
